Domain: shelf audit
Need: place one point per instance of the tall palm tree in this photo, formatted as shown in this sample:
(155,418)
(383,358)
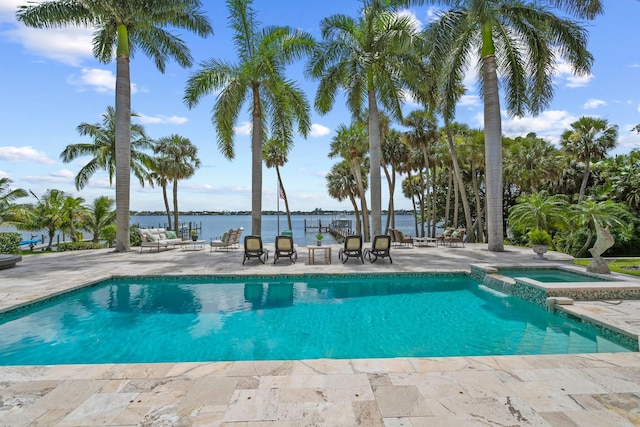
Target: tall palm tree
(103,150)
(350,143)
(47,214)
(122,27)
(178,159)
(373,58)
(589,139)
(99,215)
(394,152)
(7,199)
(521,43)
(258,78)
(275,156)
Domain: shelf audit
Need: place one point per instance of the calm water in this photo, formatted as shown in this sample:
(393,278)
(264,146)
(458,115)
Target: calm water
(214,226)
(548,275)
(178,319)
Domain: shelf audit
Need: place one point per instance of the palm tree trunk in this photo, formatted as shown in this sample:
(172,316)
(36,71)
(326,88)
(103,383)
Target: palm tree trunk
(354,164)
(585,180)
(422,199)
(357,213)
(434,207)
(479,208)
(447,207)
(123,147)
(458,176)
(256,164)
(175,203)
(391,184)
(586,245)
(166,206)
(493,154)
(375,180)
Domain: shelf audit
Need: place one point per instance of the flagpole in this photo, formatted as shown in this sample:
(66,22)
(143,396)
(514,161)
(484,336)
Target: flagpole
(278,205)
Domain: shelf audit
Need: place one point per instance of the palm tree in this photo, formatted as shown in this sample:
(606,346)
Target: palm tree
(123,26)
(373,58)
(350,143)
(589,139)
(540,211)
(73,211)
(394,152)
(99,215)
(606,213)
(521,43)
(178,159)
(341,185)
(7,198)
(258,77)
(47,214)
(103,150)
(531,162)
(275,156)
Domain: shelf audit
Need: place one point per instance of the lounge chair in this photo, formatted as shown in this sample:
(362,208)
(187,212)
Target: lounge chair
(156,238)
(400,239)
(253,249)
(284,248)
(381,248)
(235,239)
(352,248)
(223,242)
(447,233)
(456,237)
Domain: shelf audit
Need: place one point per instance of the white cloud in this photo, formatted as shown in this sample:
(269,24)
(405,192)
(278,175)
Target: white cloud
(548,125)
(102,81)
(244,129)
(565,75)
(160,119)
(319,130)
(469,101)
(24,154)
(593,104)
(66,45)
(3,174)
(63,173)
(627,139)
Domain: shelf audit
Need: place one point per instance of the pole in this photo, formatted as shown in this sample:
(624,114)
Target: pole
(278,205)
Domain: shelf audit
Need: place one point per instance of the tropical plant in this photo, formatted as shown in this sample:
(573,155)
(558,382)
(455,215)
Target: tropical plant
(394,152)
(7,199)
(257,77)
(121,27)
(531,162)
(374,58)
(73,211)
(350,143)
(103,150)
(539,237)
(341,185)
(540,211)
(47,214)
(275,156)
(589,139)
(520,42)
(177,158)
(99,217)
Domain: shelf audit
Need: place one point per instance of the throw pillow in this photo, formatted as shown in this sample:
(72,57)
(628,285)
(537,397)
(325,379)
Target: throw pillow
(171,234)
(149,237)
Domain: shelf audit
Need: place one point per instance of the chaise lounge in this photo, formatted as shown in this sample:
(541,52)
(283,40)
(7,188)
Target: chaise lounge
(285,248)
(380,248)
(352,248)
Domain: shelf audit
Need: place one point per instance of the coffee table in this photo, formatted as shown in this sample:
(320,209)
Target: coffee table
(312,253)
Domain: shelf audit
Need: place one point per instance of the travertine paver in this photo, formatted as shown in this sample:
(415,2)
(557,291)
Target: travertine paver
(553,390)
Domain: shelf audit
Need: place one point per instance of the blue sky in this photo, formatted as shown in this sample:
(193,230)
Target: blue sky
(51,84)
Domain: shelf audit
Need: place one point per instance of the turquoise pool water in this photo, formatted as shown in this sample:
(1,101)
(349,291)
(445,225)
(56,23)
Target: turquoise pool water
(549,275)
(173,319)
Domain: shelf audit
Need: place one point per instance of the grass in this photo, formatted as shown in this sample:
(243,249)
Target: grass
(616,265)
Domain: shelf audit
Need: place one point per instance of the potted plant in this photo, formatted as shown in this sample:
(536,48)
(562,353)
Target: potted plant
(540,241)
(319,238)
(194,235)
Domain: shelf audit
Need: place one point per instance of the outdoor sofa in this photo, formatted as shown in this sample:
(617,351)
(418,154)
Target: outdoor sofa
(156,238)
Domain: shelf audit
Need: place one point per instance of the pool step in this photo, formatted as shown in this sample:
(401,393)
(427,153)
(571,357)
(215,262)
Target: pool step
(555,341)
(580,344)
(530,341)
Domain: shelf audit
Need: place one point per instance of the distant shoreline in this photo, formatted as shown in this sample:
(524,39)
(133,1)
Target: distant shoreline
(244,213)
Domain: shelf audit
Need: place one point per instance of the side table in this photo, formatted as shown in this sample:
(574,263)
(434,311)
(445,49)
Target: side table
(312,253)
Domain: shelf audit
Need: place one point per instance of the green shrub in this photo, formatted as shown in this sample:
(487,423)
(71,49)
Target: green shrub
(77,246)
(9,243)
(108,233)
(134,236)
(539,237)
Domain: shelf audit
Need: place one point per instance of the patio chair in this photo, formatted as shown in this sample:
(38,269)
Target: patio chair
(284,248)
(352,248)
(253,248)
(223,242)
(235,240)
(381,248)
(401,239)
(456,237)
(446,233)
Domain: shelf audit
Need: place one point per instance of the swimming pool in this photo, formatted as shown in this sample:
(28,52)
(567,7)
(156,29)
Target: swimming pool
(179,319)
(549,275)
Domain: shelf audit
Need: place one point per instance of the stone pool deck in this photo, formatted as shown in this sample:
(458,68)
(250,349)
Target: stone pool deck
(555,390)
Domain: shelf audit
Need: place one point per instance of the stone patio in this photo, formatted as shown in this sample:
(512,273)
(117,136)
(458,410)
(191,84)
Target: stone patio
(559,390)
